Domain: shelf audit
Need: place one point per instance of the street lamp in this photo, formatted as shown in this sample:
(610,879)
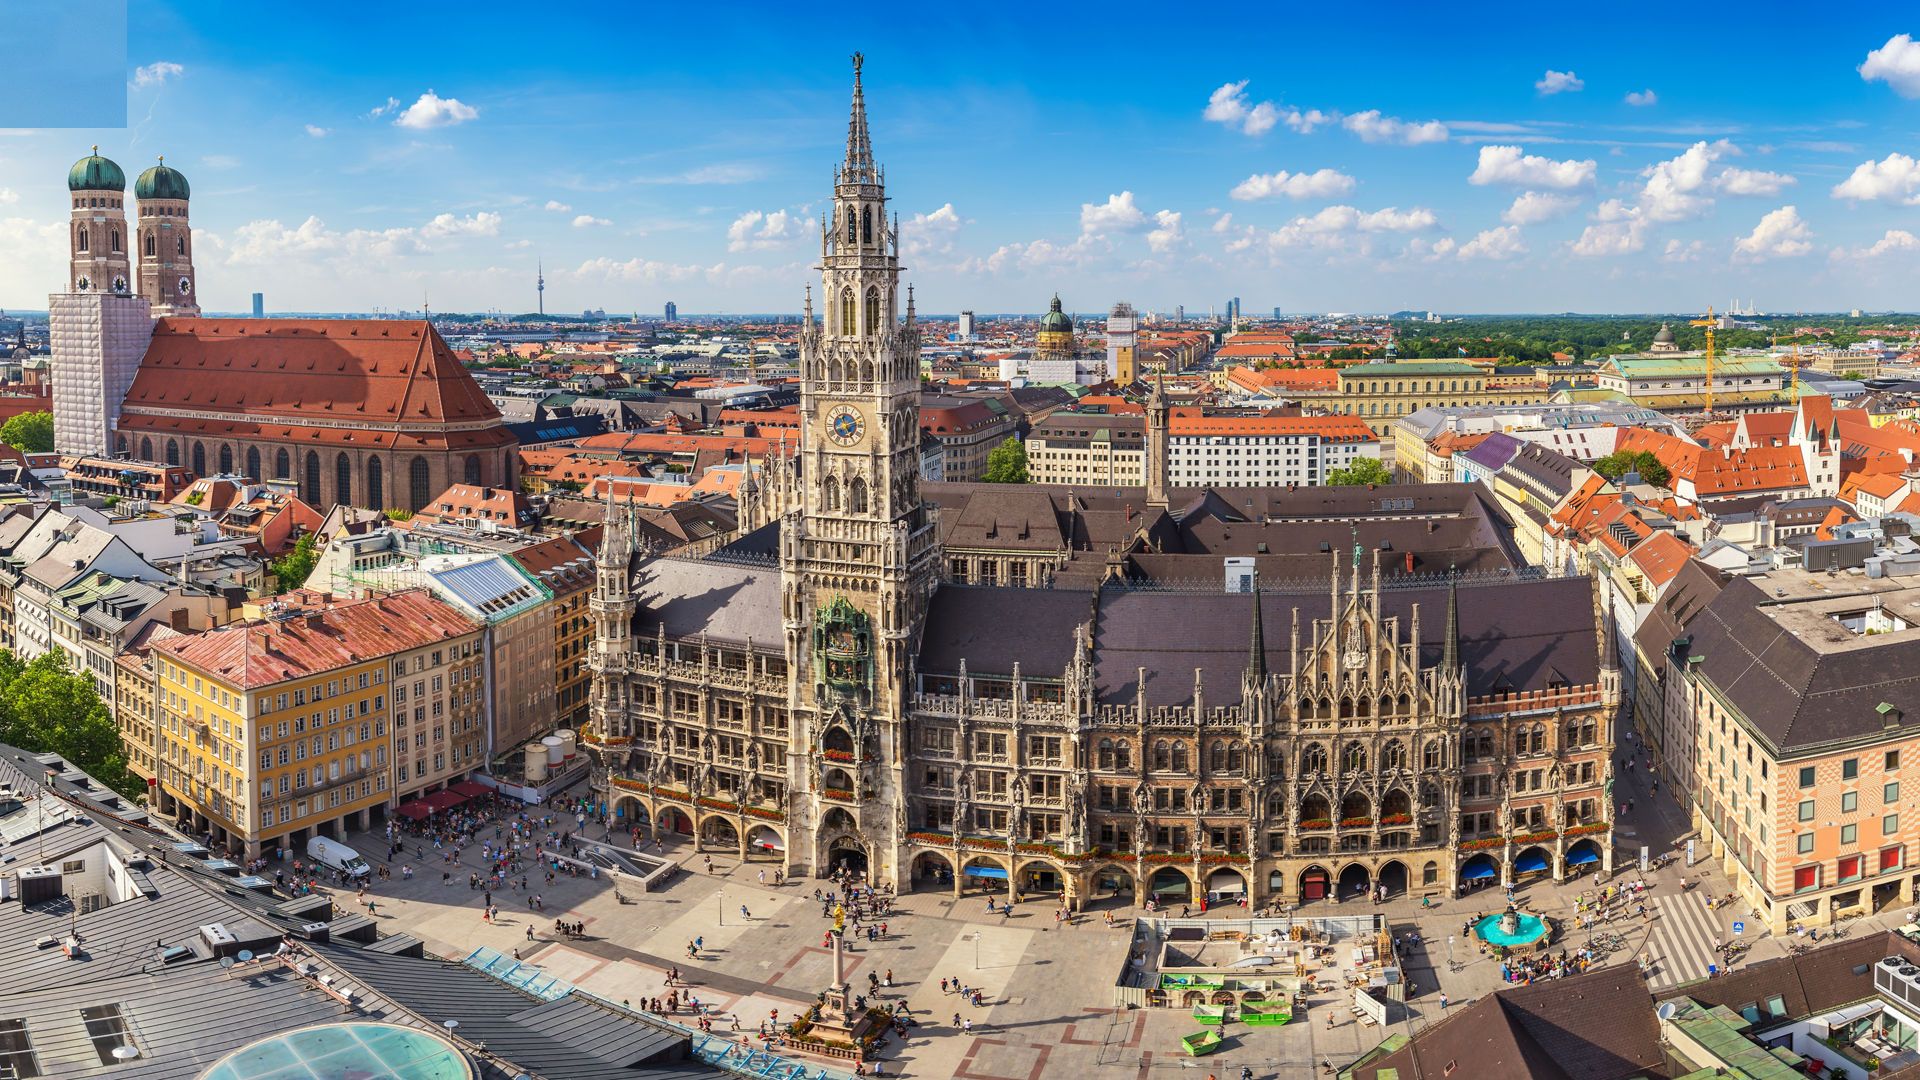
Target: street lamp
(976,950)
(720,899)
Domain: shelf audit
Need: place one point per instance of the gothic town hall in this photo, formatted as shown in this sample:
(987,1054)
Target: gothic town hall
(821,692)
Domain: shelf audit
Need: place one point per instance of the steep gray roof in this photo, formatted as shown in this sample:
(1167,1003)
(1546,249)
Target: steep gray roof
(732,603)
(994,628)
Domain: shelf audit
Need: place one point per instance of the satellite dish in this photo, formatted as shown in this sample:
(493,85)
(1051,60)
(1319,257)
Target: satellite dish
(1666,1010)
(226,961)
(125,1053)
(245,955)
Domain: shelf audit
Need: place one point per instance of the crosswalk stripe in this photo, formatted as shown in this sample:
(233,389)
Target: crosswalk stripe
(1683,942)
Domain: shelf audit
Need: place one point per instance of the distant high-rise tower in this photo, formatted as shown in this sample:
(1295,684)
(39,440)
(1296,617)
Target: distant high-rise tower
(166,242)
(259,305)
(966,326)
(540,285)
(1276,314)
(98,328)
(1179,315)
(1122,334)
(673,312)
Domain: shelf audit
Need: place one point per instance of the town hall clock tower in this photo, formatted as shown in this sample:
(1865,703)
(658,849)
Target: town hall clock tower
(858,551)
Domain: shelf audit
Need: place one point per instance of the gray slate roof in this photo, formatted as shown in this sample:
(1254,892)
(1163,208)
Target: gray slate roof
(733,604)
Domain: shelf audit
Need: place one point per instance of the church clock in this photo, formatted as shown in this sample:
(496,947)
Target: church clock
(845,425)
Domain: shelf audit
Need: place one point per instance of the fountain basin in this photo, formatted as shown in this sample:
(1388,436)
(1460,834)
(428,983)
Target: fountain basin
(1515,931)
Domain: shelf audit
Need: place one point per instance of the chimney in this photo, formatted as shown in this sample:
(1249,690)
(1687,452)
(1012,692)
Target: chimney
(316,620)
(177,619)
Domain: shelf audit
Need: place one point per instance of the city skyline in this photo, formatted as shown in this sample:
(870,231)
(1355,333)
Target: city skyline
(1600,171)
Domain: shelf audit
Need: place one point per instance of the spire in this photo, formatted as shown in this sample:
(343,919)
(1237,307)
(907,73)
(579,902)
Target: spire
(858,168)
(1450,645)
(1257,648)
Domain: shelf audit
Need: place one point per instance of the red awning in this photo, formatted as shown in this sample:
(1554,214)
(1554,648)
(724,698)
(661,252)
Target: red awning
(442,800)
(414,810)
(471,789)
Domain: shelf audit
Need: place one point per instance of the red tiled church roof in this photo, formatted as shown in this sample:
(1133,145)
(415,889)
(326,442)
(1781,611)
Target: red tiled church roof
(329,382)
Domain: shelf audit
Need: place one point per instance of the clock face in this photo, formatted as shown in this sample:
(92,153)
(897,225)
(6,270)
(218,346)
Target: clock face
(186,286)
(82,285)
(844,425)
(119,284)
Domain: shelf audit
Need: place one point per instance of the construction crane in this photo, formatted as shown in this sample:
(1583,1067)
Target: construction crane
(1710,323)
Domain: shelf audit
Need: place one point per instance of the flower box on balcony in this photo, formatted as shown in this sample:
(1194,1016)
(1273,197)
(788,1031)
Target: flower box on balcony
(1397,819)
(1355,822)
(844,757)
(839,793)
(1317,823)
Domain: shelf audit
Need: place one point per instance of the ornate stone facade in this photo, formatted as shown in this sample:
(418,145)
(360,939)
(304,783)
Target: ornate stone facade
(812,691)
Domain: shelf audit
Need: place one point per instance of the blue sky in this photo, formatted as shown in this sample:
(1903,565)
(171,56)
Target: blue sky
(1359,158)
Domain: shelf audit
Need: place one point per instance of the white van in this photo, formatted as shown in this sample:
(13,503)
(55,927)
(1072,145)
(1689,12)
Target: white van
(337,856)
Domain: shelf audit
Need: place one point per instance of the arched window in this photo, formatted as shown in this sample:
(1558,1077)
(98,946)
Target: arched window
(83,238)
(1520,741)
(181,244)
(146,449)
(1236,758)
(1179,757)
(1393,755)
(418,481)
(1430,758)
(830,494)
(226,460)
(199,459)
(310,489)
(149,245)
(1219,757)
(846,311)
(253,463)
(122,443)
(853,236)
(471,472)
(376,488)
(343,479)
(1123,754)
(1354,758)
(857,495)
(173,452)
(116,239)
(282,465)
(1163,755)
(1106,754)
(1313,759)
(873,311)
(866,226)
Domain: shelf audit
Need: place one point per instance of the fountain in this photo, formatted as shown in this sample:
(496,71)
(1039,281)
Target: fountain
(1514,931)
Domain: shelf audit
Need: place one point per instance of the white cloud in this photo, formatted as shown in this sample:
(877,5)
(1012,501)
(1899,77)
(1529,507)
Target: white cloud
(1167,237)
(1643,97)
(930,234)
(1613,236)
(381,110)
(1335,227)
(1779,233)
(1534,207)
(557,206)
(316,131)
(1559,82)
(433,111)
(755,231)
(588,221)
(36,255)
(8,195)
(481,224)
(643,271)
(1321,184)
(1670,191)
(1501,243)
(1512,165)
(1678,252)
(1305,122)
(1895,179)
(706,174)
(1732,181)
(1261,119)
(1228,105)
(1894,241)
(521,243)
(1224,224)
(156,74)
(1118,214)
(1372,127)
(1897,63)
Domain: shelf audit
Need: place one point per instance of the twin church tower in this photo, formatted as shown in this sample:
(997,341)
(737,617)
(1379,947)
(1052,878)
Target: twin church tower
(119,280)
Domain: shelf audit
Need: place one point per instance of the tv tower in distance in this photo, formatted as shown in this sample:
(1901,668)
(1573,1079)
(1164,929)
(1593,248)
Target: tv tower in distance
(540,285)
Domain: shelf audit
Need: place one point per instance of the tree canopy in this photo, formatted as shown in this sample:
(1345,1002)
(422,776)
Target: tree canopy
(1621,462)
(1364,470)
(30,433)
(1007,464)
(293,568)
(46,708)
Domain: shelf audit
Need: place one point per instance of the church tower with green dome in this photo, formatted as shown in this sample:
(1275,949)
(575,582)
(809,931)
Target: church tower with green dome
(165,242)
(99,328)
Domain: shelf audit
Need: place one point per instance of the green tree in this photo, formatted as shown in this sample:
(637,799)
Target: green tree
(46,708)
(1364,470)
(1007,464)
(1621,462)
(30,433)
(293,568)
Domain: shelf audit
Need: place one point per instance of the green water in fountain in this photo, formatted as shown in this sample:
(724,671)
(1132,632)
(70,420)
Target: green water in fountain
(1530,930)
